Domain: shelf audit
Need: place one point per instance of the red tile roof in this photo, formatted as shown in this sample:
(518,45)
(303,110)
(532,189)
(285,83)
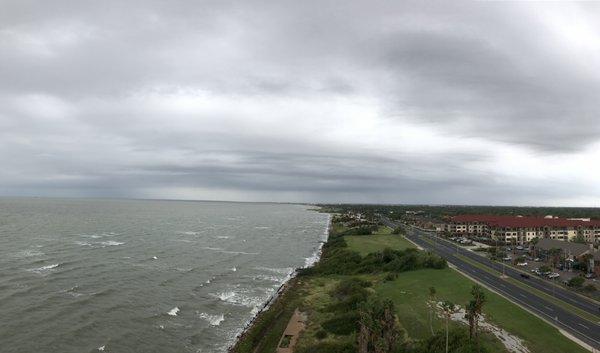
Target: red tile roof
(523,222)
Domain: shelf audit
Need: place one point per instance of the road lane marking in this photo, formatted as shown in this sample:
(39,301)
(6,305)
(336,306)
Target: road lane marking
(521,294)
(548,308)
(582,325)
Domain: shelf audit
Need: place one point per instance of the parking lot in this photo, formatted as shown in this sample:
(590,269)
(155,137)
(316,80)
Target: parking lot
(518,257)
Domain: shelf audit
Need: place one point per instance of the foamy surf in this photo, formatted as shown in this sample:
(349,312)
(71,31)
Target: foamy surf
(111,243)
(43,269)
(213,320)
(174,311)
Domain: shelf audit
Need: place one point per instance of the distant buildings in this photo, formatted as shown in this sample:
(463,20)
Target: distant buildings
(520,230)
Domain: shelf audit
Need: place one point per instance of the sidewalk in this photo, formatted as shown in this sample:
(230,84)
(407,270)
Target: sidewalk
(289,338)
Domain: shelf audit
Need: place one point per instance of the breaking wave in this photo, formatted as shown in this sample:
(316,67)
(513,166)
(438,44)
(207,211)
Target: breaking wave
(213,320)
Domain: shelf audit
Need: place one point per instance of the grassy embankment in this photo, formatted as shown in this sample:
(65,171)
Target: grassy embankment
(312,293)
(409,293)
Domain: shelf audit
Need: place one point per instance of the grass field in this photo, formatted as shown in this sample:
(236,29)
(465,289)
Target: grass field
(365,244)
(411,290)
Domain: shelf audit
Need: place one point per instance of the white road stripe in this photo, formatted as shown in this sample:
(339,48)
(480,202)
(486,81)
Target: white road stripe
(582,325)
(548,308)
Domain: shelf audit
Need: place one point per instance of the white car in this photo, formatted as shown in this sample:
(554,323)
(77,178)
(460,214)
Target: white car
(553,275)
(508,258)
(537,259)
(522,264)
(519,247)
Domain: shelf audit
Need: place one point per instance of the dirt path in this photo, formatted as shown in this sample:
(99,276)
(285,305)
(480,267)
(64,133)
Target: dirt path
(289,338)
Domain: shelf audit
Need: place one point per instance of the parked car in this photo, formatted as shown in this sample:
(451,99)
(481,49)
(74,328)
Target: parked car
(553,275)
(519,247)
(508,258)
(526,276)
(537,259)
(590,275)
(522,264)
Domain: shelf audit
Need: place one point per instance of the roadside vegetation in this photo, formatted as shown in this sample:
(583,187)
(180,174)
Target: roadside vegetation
(376,293)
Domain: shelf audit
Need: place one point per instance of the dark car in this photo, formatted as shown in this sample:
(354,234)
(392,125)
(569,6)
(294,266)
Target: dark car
(524,275)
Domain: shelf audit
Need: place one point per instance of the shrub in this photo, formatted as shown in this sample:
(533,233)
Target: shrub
(342,324)
(349,293)
(390,277)
(349,286)
(576,282)
(362,230)
(398,230)
(321,334)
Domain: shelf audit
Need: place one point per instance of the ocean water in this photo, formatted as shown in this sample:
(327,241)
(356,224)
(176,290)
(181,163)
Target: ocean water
(82,275)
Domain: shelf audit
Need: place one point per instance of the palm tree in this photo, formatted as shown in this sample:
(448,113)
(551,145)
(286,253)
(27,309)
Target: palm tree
(554,256)
(432,305)
(474,309)
(379,332)
(449,309)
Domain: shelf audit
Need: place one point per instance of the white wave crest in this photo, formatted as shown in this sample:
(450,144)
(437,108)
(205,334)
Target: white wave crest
(213,320)
(280,270)
(174,311)
(242,299)
(226,296)
(111,243)
(44,269)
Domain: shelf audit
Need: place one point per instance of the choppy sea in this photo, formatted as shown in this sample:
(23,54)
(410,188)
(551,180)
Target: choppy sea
(91,275)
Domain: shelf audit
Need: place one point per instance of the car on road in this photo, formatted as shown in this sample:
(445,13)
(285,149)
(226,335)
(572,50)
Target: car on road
(526,276)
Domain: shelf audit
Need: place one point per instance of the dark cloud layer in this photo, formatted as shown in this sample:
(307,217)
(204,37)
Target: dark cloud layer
(379,101)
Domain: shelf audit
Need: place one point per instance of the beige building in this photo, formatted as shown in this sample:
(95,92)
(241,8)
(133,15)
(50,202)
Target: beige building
(520,230)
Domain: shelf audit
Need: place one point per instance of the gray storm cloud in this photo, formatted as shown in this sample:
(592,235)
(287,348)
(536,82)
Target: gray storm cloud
(312,101)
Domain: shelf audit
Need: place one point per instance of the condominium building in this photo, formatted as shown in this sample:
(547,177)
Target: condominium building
(519,230)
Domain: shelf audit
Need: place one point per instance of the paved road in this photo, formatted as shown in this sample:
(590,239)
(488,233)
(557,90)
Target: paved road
(565,295)
(585,330)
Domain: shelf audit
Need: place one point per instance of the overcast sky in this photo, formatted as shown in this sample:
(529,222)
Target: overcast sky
(304,101)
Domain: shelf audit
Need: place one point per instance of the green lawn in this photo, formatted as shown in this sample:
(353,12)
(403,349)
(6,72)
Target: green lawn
(410,293)
(366,244)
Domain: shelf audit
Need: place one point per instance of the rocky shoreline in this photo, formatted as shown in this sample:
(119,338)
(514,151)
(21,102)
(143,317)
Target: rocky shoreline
(281,291)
